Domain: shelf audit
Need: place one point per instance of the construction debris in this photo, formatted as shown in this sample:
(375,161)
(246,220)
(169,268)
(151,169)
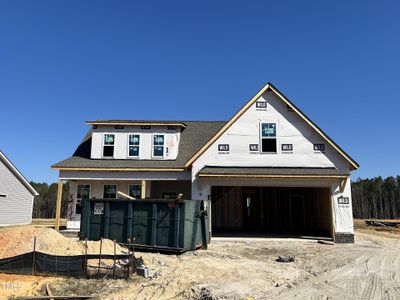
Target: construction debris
(382,223)
(285,258)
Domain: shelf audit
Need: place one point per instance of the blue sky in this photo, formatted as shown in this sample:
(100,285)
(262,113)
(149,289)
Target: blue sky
(65,62)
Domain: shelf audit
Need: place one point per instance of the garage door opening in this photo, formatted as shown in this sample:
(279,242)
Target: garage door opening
(271,210)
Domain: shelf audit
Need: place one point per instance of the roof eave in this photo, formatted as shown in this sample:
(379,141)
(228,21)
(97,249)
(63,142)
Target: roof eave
(135,123)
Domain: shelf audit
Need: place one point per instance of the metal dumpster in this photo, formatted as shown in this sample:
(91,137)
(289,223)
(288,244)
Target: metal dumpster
(157,224)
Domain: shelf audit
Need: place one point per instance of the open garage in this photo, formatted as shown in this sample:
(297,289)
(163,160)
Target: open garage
(299,211)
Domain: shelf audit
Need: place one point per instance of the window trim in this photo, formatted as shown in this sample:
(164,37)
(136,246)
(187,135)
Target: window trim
(102,148)
(116,191)
(152,146)
(76,194)
(138,184)
(140,145)
(268,137)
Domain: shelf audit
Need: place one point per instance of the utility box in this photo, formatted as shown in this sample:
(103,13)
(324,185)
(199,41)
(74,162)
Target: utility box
(158,224)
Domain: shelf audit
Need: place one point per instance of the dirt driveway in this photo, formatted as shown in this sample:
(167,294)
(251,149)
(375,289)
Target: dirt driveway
(242,269)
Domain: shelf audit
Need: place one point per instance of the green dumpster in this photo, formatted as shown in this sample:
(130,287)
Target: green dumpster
(157,224)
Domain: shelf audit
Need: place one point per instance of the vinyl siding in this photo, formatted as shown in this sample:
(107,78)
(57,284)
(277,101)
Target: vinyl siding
(16,207)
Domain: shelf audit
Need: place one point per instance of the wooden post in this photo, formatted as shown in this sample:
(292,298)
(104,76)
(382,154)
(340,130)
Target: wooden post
(34,256)
(143,189)
(98,270)
(85,267)
(129,258)
(133,255)
(58,206)
(115,250)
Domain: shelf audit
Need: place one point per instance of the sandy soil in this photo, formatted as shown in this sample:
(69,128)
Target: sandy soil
(18,240)
(242,269)
(22,285)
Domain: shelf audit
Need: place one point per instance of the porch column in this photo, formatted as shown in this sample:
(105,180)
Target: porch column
(58,206)
(143,189)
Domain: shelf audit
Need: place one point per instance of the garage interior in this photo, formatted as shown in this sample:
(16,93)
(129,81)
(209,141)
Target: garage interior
(258,211)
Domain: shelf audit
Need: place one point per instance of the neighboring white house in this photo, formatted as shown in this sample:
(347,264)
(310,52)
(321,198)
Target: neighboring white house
(16,195)
(269,169)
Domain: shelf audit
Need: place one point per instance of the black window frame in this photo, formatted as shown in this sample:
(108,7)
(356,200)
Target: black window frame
(116,191)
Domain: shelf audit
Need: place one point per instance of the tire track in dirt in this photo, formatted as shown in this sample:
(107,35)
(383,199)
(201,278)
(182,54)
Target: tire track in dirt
(375,274)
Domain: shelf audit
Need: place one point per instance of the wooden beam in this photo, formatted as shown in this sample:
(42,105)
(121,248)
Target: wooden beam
(342,185)
(143,189)
(126,196)
(58,206)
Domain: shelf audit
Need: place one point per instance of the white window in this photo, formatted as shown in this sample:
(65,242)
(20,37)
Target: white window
(82,192)
(108,145)
(110,191)
(133,145)
(158,145)
(135,191)
(268,138)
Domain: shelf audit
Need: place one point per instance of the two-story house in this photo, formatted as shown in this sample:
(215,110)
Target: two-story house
(269,169)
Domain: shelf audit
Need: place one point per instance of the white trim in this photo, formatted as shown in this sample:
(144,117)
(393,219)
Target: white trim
(18,174)
(116,191)
(102,145)
(127,146)
(152,146)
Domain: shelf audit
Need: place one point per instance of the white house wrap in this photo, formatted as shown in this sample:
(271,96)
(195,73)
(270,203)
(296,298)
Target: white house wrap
(269,169)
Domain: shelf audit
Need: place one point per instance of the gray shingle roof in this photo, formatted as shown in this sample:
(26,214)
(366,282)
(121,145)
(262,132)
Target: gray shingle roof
(271,171)
(193,137)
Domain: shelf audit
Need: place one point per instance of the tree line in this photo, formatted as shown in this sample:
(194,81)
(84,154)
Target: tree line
(376,198)
(44,206)
(372,198)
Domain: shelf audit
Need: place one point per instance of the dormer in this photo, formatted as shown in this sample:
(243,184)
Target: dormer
(140,140)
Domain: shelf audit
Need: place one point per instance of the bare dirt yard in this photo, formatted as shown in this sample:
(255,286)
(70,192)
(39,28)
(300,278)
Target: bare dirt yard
(245,269)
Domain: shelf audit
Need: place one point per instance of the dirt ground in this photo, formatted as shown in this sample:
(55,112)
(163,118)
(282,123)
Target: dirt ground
(245,269)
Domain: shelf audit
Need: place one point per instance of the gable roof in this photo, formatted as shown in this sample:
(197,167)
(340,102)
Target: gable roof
(193,137)
(353,164)
(17,173)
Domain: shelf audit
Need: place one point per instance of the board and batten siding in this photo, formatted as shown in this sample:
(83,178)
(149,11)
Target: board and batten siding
(16,207)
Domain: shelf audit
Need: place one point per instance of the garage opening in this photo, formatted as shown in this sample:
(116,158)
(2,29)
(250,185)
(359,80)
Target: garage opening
(271,210)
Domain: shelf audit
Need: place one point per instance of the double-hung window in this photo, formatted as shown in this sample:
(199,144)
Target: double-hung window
(135,191)
(134,144)
(268,138)
(158,145)
(82,192)
(108,145)
(110,191)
